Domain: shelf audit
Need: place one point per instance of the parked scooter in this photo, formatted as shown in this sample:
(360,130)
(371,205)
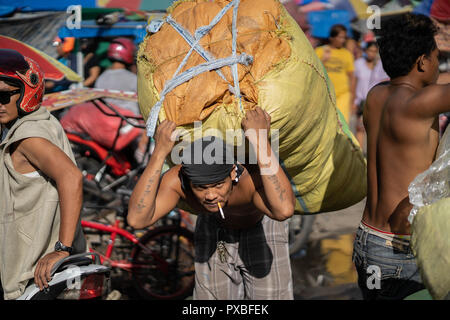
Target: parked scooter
(76,277)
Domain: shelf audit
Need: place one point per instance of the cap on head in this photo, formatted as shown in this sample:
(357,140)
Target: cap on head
(207,161)
(27,75)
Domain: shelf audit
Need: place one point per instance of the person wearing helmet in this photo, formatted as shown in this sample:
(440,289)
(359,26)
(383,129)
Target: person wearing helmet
(40,184)
(117,76)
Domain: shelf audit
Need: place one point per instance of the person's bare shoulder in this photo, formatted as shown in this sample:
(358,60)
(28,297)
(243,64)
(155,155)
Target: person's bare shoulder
(251,176)
(375,101)
(378,91)
(171,179)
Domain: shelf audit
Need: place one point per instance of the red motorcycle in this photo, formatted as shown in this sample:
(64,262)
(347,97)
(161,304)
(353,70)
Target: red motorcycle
(104,140)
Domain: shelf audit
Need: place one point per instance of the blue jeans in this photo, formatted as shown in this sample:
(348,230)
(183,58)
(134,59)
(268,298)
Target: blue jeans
(386,267)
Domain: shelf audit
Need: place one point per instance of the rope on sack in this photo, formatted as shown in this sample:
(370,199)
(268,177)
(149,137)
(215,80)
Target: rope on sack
(211,62)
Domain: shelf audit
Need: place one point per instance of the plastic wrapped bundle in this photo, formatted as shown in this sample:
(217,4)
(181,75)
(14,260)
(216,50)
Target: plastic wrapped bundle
(430,242)
(210,61)
(434,183)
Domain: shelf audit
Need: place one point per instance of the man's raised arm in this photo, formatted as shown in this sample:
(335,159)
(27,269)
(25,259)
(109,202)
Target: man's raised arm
(277,194)
(432,101)
(152,199)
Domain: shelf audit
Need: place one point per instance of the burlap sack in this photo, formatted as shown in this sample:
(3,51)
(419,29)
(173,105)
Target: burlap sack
(320,155)
(430,229)
(430,242)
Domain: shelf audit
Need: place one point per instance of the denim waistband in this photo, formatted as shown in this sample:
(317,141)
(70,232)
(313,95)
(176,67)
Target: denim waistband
(403,239)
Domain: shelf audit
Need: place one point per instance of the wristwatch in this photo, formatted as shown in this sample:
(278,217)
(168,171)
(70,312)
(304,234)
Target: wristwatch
(60,247)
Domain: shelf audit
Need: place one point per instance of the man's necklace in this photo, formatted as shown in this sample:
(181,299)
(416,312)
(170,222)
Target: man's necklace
(222,251)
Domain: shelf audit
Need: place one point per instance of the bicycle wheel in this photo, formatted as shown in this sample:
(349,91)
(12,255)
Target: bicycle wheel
(163,263)
(300,227)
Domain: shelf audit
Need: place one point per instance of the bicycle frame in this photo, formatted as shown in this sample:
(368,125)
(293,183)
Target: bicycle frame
(115,230)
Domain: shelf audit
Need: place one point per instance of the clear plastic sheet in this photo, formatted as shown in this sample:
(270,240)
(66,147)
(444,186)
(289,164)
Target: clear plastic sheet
(434,183)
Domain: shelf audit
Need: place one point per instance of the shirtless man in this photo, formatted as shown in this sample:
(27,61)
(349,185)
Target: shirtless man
(243,254)
(401,120)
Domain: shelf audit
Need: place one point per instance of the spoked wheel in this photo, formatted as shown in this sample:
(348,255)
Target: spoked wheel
(300,227)
(163,263)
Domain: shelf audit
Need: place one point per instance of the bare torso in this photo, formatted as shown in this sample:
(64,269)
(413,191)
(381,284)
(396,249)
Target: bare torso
(399,148)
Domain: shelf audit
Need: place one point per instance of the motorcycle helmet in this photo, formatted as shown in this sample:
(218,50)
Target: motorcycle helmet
(27,75)
(122,50)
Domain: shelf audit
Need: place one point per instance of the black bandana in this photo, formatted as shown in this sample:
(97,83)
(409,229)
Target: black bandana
(205,161)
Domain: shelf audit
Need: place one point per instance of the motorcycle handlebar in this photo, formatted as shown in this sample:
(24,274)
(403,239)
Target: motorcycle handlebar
(117,114)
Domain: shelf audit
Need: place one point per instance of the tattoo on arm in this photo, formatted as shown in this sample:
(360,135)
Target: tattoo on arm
(148,189)
(281,192)
(141,205)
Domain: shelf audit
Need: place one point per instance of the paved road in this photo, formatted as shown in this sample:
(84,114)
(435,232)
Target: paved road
(325,271)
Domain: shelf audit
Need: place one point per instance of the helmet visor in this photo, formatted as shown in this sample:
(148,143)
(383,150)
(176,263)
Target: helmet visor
(11,62)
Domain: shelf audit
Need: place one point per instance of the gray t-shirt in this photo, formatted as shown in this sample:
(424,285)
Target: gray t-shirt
(119,79)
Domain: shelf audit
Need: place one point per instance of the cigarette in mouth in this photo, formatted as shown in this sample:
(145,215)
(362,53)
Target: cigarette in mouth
(221,211)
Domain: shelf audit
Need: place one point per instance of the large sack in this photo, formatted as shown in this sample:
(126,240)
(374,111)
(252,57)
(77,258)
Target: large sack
(430,243)
(320,155)
(430,229)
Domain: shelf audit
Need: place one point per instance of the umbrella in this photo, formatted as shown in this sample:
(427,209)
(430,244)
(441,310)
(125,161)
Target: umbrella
(52,68)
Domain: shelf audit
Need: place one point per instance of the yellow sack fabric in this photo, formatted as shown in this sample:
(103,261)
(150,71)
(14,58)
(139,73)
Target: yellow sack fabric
(430,230)
(430,242)
(317,150)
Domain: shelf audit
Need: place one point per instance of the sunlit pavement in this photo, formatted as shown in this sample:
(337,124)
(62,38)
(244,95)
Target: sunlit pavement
(325,271)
